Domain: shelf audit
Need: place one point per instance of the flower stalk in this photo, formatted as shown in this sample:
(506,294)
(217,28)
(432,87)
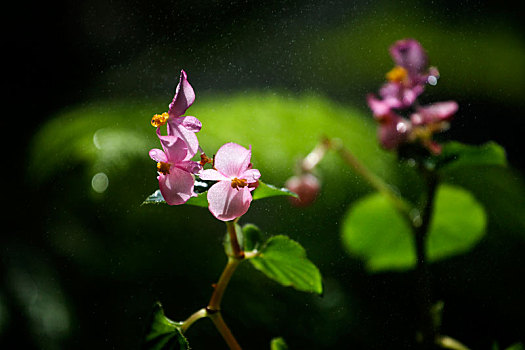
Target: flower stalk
(375,181)
(213,310)
(223,329)
(420,229)
(215,301)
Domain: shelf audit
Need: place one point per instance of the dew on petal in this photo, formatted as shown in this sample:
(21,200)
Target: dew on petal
(432,80)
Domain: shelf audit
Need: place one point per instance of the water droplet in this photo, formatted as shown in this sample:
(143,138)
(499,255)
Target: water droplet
(432,80)
(100,182)
(401,127)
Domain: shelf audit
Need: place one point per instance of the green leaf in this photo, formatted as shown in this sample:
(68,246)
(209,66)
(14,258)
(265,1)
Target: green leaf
(266,190)
(456,155)
(156,198)
(200,201)
(376,232)
(163,333)
(278,344)
(285,261)
(253,237)
(459,223)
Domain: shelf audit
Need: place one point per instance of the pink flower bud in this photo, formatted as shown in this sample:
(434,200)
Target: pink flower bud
(307,188)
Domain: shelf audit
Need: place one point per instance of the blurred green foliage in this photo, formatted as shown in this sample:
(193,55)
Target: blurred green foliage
(374,230)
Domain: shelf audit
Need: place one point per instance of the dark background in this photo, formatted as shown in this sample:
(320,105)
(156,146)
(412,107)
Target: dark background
(69,53)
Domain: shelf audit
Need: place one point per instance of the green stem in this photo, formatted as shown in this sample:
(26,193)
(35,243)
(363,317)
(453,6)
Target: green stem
(193,318)
(224,331)
(238,253)
(375,181)
(215,302)
(420,233)
(213,310)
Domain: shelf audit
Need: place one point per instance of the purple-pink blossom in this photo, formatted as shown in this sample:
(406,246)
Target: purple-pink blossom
(231,196)
(183,127)
(307,188)
(401,119)
(175,169)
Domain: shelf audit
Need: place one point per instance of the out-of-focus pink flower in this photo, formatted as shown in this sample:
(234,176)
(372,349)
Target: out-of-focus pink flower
(401,119)
(175,169)
(307,188)
(231,196)
(183,127)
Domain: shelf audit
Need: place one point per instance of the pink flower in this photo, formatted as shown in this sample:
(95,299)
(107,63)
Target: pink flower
(175,169)
(231,196)
(183,127)
(307,188)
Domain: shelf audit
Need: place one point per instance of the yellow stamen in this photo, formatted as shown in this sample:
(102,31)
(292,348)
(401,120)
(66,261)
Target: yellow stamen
(397,74)
(163,168)
(236,183)
(425,132)
(159,119)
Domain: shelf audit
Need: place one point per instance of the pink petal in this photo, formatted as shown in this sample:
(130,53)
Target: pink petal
(177,186)
(175,148)
(409,54)
(184,97)
(437,112)
(393,132)
(158,155)
(191,123)
(190,166)
(227,203)
(232,159)
(176,128)
(213,175)
(251,175)
(379,108)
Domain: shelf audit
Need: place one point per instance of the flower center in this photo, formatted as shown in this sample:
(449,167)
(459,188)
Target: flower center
(397,74)
(159,119)
(239,183)
(163,167)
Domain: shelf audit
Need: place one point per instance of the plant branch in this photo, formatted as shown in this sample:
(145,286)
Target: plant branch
(375,181)
(213,310)
(420,232)
(215,302)
(223,329)
(194,317)
(238,253)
